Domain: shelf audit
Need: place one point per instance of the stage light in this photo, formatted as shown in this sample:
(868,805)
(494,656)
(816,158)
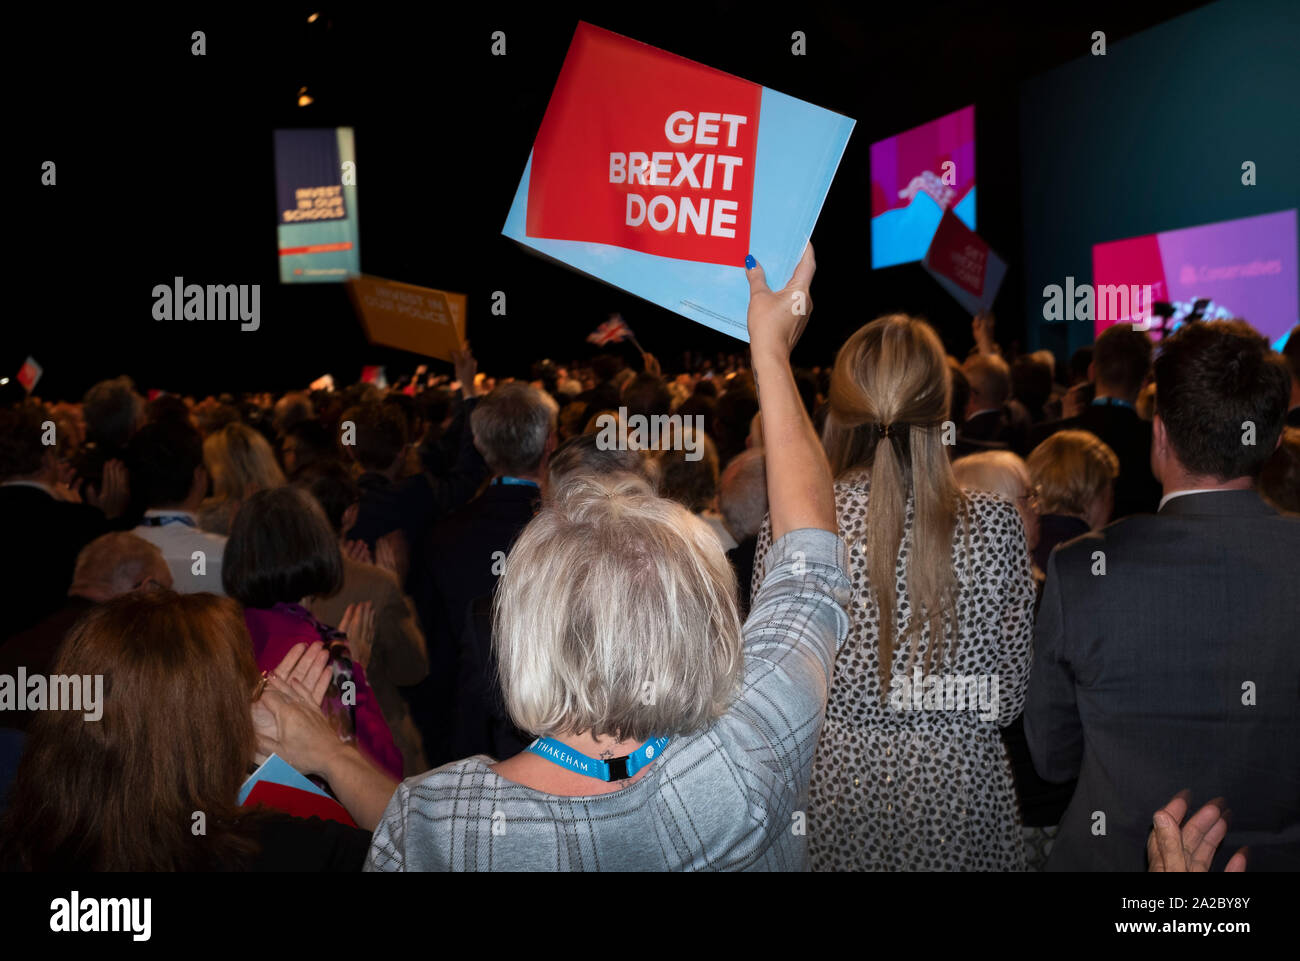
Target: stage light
(303,98)
(3,381)
(313,18)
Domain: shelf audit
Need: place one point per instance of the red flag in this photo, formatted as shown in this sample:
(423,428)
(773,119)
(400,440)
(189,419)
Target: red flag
(29,373)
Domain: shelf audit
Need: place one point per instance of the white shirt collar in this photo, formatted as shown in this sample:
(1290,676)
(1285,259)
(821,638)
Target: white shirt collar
(169,512)
(1202,490)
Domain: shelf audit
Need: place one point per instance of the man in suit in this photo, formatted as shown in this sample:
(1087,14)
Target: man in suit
(991,420)
(514,430)
(44,529)
(1165,656)
(1120,363)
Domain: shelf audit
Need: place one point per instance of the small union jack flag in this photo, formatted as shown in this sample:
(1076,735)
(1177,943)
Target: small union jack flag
(612,331)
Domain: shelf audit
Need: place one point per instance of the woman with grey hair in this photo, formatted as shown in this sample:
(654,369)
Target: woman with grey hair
(668,736)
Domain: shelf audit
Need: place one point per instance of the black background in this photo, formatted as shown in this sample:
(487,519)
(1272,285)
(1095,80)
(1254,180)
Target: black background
(165,169)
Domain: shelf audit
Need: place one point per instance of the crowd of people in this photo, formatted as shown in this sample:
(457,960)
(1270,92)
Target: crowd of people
(906,612)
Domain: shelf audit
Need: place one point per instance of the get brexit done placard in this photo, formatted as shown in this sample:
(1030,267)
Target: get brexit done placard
(659,175)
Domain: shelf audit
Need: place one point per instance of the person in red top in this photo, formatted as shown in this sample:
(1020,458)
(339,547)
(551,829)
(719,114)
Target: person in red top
(282,551)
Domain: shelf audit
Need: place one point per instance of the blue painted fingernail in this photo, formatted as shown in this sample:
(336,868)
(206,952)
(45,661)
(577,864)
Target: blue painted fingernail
(750,262)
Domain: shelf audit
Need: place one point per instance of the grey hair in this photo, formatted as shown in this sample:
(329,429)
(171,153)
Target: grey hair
(995,471)
(743,498)
(583,455)
(617,615)
(511,426)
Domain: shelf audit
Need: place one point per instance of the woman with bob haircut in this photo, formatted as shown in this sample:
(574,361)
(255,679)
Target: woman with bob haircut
(911,773)
(183,710)
(1074,475)
(669,736)
(282,552)
(241,463)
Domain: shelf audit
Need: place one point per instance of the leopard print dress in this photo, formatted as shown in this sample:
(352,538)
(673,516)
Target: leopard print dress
(904,784)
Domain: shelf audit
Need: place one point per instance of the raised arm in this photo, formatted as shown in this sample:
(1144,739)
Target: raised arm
(799,488)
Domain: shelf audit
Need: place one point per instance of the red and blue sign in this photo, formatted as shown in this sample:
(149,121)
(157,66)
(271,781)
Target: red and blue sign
(659,175)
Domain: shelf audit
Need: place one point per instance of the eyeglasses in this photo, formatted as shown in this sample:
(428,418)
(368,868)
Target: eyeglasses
(1030,499)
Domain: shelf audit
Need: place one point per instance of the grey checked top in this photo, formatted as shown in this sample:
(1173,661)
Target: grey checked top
(730,798)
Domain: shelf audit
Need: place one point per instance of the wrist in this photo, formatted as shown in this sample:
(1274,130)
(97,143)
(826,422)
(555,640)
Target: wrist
(332,757)
(769,356)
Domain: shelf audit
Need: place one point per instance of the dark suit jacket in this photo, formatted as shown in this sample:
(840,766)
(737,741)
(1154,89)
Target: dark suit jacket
(1178,668)
(37,648)
(1129,436)
(482,725)
(43,537)
(461,568)
(414,504)
(1005,429)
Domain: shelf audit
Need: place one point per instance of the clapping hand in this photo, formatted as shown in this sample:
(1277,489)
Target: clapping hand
(1192,848)
(359,625)
(114,493)
(306,665)
(393,554)
(294,727)
(357,551)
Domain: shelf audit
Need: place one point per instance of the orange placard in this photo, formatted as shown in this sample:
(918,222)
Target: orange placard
(419,319)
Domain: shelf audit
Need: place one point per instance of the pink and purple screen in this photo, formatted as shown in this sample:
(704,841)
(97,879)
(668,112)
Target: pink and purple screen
(1245,268)
(915,176)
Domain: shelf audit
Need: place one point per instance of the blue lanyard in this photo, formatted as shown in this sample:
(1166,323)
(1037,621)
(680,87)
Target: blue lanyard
(615,769)
(515,481)
(169,519)
(1112,402)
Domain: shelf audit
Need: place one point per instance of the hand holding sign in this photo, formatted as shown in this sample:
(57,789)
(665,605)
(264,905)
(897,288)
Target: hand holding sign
(777,319)
(657,175)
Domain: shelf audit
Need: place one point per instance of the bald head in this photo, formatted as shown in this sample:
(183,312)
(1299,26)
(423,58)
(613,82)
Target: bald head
(116,564)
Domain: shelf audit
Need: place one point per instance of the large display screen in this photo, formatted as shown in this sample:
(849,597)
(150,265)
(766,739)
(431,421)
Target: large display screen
(1236,268)
(915,176)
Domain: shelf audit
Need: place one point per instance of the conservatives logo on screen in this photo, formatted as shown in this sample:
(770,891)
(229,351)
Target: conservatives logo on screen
(1236,268)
